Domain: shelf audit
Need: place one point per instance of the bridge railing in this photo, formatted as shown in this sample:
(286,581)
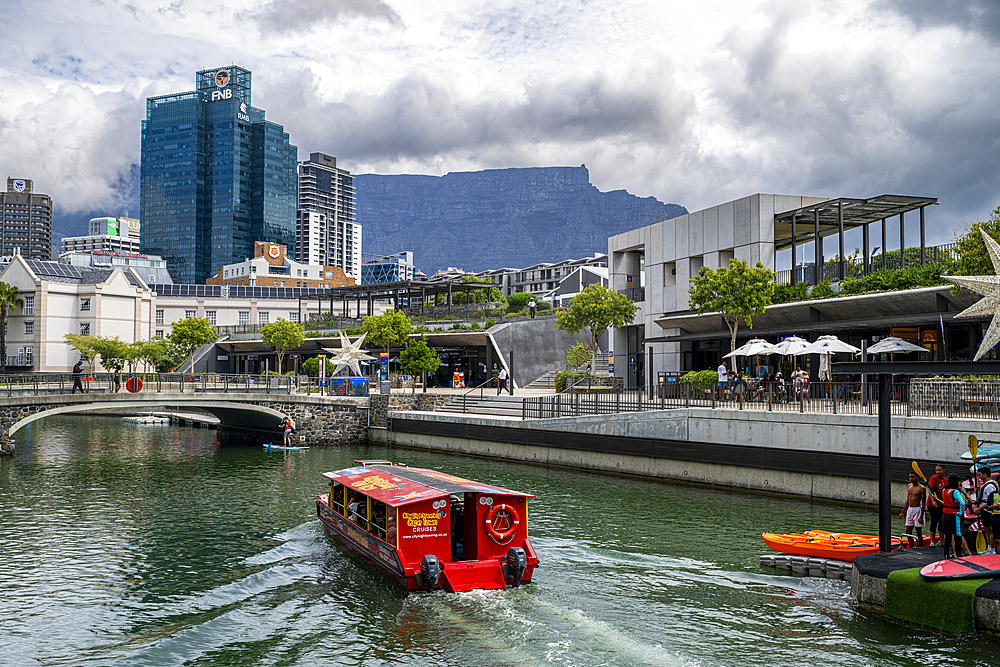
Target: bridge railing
(40,384)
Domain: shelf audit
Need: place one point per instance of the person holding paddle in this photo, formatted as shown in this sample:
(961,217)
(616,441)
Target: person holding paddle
(984,499)
(953,502)
(935,487)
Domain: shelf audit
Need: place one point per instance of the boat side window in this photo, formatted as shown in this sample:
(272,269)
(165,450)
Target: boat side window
(377,527)
(358,509)
(337,497)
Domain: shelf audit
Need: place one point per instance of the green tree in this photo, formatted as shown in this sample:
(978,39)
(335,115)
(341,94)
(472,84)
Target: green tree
(577,355)
(192,333)
(389,329)
(477,296)
(311,367)
(84,344)
(418,358)
(596,309)
(519,301)
(972,259)
(112,351)
(737,292)
(283,335)
(9,300)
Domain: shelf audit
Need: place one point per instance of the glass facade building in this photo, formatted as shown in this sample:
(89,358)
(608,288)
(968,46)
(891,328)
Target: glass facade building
(215,177)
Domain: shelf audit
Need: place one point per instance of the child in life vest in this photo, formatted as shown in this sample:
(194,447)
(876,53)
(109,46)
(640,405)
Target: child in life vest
(951,521)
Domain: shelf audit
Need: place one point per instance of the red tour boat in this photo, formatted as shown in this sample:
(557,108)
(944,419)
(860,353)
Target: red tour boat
(427,529)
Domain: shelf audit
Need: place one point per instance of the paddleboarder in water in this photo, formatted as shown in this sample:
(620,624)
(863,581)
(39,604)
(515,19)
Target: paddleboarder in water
(287,424)
(916,496)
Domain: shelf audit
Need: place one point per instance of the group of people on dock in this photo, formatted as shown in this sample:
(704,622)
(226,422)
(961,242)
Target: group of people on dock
(957,509)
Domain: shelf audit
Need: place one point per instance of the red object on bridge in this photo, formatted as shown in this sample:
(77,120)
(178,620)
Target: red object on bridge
(133,384)
(427,529)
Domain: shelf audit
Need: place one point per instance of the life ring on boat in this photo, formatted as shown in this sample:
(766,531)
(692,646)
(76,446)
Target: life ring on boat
(501,522)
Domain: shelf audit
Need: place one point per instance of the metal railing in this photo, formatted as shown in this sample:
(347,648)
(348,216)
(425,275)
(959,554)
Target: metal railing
(856,269)
(852,398)
(39,384)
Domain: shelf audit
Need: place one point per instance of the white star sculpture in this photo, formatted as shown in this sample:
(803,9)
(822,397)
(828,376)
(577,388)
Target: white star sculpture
(351,354)
(989,288)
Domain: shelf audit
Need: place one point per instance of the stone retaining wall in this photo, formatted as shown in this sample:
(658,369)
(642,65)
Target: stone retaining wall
(381,405)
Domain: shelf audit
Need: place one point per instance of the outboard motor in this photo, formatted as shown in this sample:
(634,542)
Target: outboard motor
(517,561)
(430,567)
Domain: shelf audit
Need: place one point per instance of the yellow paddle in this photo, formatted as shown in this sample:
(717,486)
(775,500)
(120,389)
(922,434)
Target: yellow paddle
(981,535)
(917,470)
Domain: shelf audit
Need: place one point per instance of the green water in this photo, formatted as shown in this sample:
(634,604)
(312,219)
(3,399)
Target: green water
(132,545)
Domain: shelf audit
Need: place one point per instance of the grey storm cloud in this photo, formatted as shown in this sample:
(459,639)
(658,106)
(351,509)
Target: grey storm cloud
(282,16)
(975,16)
(418,116)
(851,127)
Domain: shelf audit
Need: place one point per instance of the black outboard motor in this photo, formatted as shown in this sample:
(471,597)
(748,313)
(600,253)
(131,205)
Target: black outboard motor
(517,561)
(430,567)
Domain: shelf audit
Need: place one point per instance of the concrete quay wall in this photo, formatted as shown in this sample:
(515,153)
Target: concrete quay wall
(806,454)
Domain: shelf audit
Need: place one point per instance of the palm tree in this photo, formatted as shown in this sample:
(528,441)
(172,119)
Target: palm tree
(8,299)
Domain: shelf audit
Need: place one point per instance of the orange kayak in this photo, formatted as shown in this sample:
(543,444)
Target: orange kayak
(823,544)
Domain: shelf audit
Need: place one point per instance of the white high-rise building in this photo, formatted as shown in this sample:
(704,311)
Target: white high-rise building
(325,231)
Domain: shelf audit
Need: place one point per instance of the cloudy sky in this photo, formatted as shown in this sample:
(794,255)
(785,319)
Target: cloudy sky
(694,103)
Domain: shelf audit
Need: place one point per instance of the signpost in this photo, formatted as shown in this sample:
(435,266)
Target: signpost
(322,373)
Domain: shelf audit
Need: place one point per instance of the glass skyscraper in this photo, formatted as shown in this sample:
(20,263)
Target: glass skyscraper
(215,177)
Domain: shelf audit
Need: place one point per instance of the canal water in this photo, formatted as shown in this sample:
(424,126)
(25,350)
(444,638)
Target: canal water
(153,545)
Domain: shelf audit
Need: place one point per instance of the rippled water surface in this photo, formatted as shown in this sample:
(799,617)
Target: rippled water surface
(131,545)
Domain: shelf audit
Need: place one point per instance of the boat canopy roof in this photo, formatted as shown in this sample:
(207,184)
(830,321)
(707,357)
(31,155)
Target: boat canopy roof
(398,485)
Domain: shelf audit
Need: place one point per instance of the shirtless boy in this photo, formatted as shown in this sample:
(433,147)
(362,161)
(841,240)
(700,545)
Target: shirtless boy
(916,496)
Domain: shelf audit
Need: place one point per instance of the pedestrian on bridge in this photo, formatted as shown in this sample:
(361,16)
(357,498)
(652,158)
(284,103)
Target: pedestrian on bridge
(78,378)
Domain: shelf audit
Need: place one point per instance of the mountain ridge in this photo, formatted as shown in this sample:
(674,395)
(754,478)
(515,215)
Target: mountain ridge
(531,215)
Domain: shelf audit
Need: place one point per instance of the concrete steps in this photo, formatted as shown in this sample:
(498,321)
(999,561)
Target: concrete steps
(548,381)
(489,404)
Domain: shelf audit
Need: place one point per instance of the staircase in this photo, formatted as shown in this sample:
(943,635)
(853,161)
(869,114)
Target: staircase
(548,381)
(503,405)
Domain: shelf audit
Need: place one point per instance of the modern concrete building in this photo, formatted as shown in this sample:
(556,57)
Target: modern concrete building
(271,267)
(25,220)
(388,269)
(654,265)
(325,230)
(577,281)
(215,176)
(539,279)
(105,234)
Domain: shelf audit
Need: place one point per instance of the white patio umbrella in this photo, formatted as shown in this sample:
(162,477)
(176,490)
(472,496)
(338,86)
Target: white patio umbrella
(790,346)
(752,348)
(826,346)
(893,344)
(829,345)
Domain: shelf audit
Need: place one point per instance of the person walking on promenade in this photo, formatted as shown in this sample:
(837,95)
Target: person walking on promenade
(118,380)
(935,487)
(531,308)
(502,381)
(723,372)
(78,378)
(916,499)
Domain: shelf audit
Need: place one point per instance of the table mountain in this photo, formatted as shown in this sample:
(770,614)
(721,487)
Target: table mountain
(497,217)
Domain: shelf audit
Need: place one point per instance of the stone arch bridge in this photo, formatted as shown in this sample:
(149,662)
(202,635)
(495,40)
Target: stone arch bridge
(320,420)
